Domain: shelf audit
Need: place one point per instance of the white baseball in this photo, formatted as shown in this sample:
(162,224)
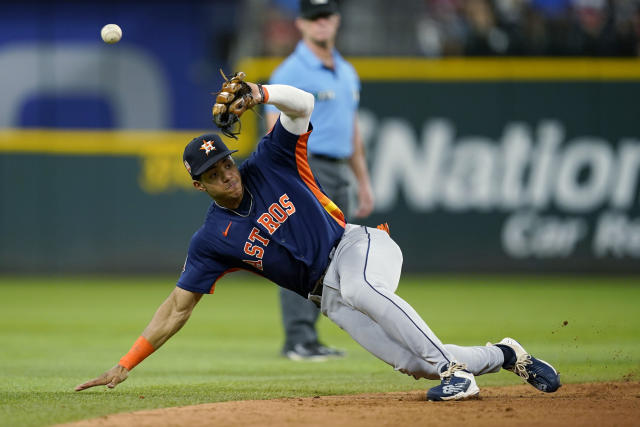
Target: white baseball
(111,33)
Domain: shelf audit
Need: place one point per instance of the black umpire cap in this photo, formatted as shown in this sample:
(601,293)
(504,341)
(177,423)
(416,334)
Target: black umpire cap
(203,152)
(311,9)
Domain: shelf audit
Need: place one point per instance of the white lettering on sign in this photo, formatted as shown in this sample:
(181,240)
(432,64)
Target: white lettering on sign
(528,234)
(527,171)
(518,171)
(576,195)
(616,235)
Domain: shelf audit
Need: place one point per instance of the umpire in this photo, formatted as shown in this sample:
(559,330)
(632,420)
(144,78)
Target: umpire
(335,147)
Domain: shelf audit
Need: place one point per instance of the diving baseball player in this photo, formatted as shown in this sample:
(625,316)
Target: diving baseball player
(270,217)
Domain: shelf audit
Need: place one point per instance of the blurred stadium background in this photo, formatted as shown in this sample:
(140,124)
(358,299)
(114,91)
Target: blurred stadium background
(502,136)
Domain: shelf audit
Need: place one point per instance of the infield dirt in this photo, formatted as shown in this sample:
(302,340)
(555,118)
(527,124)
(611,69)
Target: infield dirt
(593,404)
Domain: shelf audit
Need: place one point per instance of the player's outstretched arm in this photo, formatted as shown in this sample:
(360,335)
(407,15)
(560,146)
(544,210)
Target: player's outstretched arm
(295,104)
(172,314)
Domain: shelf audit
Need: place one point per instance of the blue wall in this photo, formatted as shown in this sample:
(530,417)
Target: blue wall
(182,43)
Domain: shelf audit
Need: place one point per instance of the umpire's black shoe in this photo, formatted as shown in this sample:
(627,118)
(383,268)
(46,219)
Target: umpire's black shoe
(330,351)
(315,352)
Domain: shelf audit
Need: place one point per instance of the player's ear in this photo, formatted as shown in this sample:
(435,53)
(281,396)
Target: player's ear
(300,24)
(198,186)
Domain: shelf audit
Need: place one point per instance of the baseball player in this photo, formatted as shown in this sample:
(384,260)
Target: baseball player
(270,217)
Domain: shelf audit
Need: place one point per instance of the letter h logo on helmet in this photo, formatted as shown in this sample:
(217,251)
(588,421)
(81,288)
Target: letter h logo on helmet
(207,146)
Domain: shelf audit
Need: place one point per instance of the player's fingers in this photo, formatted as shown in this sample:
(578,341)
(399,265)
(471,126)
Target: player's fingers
(117,379)
(92,383)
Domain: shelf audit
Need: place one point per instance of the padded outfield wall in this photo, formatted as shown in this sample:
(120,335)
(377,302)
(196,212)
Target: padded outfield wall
(479,165)
(504,165)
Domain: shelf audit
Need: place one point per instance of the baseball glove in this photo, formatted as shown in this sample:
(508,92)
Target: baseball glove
(233,99)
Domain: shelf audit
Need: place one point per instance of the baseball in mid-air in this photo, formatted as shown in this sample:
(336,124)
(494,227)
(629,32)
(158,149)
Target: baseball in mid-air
(111,33)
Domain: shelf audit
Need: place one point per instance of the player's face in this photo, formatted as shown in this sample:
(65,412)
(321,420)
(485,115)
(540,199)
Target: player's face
(321,30)
(223,183)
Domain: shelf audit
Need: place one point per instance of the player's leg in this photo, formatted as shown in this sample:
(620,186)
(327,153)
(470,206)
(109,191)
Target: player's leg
(372,337)
(479,359)
(367,265)
(352,307)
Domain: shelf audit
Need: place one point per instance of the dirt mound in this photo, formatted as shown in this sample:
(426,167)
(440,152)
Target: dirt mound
(574,404)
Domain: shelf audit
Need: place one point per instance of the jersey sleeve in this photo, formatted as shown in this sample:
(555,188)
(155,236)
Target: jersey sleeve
(201,268)
(282,147)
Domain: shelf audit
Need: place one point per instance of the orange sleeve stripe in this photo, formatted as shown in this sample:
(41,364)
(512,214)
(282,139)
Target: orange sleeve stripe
(266,95)
(213,287)
(304,170)
(139,351)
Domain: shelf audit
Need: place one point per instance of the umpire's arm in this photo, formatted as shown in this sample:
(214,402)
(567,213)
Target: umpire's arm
(172,314)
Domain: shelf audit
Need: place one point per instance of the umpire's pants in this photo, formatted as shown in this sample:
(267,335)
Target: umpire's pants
(299,315)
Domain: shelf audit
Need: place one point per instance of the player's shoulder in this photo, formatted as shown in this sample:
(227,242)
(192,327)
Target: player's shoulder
(247,168)
(205,237)
(276,145)
(199,240)
(199,246)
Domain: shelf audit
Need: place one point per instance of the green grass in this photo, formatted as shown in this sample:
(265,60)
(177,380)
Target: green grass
(56,333)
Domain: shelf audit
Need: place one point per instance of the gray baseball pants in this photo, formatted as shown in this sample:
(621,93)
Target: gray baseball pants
(359,296)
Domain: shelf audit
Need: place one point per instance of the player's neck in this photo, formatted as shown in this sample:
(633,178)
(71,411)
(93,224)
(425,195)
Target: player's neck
(230,203)
(322,50)
(242,208)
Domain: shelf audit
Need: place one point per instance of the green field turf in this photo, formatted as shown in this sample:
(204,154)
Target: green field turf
(56,333)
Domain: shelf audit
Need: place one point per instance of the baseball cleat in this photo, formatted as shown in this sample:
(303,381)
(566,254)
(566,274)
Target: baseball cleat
(314,352)
(536,372)
(330,351)
(457,384)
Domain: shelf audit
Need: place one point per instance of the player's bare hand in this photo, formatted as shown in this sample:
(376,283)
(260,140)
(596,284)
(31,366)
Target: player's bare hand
(255,92)
(365,202)
(111,378)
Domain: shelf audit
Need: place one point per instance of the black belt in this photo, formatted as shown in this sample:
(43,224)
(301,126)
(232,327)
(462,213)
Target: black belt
(315,296)
(329,158)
